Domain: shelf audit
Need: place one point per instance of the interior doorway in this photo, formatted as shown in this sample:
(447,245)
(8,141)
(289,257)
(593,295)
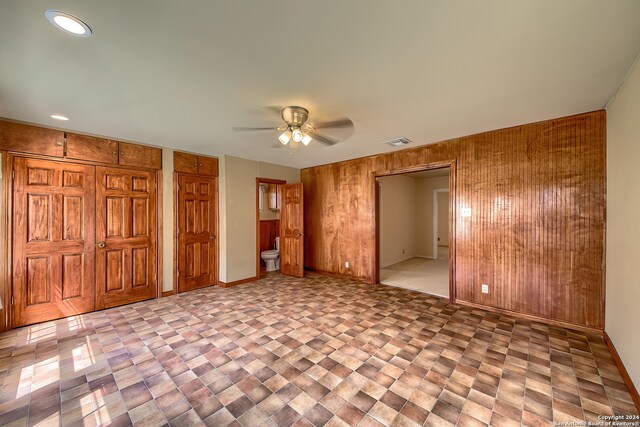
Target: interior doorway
(414,219)
(268,204)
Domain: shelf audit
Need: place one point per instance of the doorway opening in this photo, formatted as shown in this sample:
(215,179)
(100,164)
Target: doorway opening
(268,204)
(414,229)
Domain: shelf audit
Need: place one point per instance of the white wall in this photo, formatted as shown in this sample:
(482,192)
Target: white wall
(269,170)
(424,213)
(623,224)
(397,219)
(237,192)
(238,228)
(443,218)
(167,219)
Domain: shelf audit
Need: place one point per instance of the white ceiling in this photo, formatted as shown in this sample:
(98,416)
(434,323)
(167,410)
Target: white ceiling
(182,73)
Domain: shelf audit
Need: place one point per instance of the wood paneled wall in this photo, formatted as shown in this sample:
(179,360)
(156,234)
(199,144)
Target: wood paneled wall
(536,230)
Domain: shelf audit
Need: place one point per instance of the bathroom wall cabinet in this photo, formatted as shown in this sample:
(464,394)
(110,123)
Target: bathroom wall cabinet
(273,195)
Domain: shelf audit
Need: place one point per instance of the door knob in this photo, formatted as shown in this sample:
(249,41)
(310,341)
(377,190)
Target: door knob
(212,237)
(102,244)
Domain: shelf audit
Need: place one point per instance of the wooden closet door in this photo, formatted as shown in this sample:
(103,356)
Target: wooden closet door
(126,236)
(292,231)
(53,240)
(197,263)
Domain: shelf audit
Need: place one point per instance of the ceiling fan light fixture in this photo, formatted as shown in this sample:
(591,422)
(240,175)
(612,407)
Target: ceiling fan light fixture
(306,139)
(285,137)
(297,134)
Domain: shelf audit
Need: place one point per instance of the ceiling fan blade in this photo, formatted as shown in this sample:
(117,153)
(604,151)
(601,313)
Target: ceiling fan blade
(324,139)
(343,122)
(251,129)
(276,109)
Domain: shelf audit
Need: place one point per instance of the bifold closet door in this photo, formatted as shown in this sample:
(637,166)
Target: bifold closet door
(197,210)
(125,236)
(53,240)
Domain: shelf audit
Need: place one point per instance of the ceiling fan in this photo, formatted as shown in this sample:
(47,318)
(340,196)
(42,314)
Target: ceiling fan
(296,129)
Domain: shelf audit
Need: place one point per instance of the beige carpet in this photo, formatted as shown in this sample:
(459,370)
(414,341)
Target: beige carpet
(418,274)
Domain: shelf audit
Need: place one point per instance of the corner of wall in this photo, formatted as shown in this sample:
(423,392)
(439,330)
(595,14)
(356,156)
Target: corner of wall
(623,233)
(222,219)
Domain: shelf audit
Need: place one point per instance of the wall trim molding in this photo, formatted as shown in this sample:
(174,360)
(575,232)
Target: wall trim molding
(551,322)
(168,293)
(623,371)
(238,282)
(340,275)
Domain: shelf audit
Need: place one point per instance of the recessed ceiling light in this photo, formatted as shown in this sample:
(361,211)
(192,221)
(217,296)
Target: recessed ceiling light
(58,117)
(68,23)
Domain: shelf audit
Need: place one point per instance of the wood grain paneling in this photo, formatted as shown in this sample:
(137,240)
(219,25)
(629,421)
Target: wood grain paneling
(535,233)
(292,230)
(83,147)
(269,230)
(185,162)
(192,163)
(196,233)
(53,252)
(140,155)
(207,166)
(31,139)
(126,233)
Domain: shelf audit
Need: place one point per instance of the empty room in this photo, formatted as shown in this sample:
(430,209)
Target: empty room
(338,213)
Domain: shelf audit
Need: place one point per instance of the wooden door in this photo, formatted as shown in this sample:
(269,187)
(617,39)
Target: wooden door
(292,231)
(126,236)
(53,240)
(197,210)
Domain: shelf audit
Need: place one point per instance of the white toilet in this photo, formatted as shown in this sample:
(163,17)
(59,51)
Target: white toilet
(272,257)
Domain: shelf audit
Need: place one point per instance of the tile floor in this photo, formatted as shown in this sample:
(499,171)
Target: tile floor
(419,274)
(306,352)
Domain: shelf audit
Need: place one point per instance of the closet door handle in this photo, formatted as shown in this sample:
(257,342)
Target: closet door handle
(102,245)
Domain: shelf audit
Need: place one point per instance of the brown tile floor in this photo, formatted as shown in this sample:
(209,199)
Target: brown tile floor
(314,351)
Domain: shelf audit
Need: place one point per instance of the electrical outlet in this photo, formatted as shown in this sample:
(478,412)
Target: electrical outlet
(346,264)
(485,288)
(403,252)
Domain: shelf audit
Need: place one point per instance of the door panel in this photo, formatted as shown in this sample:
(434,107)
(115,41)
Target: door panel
(207,166)
(53,269)
(31,139)
(292,231)
(139,155)
(185,162)
(126,236)
(84,147)
(197,264)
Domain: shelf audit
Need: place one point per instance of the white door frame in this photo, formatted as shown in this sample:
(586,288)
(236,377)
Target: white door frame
(435,219)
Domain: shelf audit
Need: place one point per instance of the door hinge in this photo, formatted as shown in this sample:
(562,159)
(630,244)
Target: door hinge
(13,174)
(11,299)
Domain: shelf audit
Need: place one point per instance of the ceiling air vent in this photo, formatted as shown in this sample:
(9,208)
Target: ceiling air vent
(398,142)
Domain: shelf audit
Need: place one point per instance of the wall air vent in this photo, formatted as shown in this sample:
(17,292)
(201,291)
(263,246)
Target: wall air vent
(398,142)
